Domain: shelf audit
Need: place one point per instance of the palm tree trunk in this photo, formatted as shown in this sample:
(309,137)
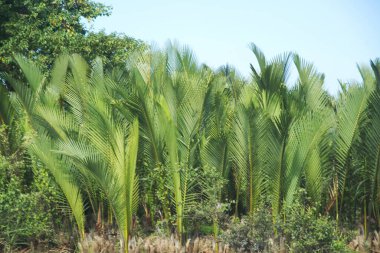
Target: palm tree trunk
(125,240)
(237,201)
(216,232)
(365,219)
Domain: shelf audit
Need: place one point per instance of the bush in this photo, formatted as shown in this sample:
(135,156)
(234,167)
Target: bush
(307,231)
(209,210)
(24,218)
(26,198)
(250,234)
(300,229)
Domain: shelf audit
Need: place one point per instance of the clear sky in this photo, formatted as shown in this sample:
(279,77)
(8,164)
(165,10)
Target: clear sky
(333,34)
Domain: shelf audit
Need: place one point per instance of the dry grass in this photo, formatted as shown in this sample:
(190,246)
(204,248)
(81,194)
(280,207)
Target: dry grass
(371,244)
(152,244)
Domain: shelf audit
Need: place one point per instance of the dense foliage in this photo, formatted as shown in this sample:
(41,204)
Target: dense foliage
(146,141)
(43,30)
(165,140)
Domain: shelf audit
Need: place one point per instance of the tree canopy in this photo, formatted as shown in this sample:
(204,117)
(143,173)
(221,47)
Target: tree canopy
(43,30)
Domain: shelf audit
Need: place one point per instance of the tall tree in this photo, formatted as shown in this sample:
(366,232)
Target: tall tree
(43,30)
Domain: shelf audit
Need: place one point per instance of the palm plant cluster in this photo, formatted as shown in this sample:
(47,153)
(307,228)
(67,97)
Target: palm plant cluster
(140,141)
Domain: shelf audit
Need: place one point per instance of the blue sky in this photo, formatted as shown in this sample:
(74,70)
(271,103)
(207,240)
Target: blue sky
(333,34)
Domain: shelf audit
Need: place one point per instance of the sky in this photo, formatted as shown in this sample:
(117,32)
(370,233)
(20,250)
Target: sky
(335,35)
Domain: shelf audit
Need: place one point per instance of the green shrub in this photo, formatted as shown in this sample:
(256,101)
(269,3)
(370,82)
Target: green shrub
(26,198)
(250,234)
(300,227)
(24,218)
(307,231)
(210,213)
